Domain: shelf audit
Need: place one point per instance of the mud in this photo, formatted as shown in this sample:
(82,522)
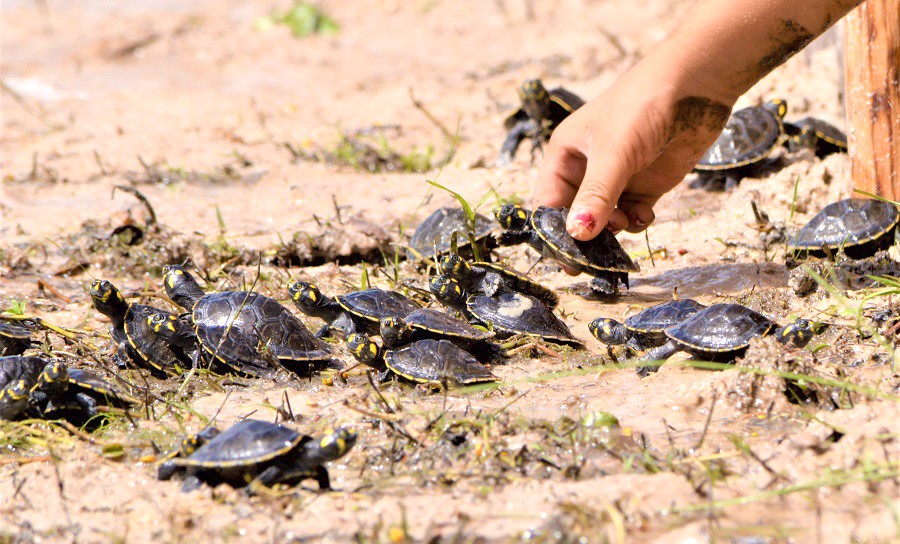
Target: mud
(239,138)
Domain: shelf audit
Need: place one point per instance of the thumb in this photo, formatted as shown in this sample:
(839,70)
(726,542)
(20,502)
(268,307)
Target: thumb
(595,202)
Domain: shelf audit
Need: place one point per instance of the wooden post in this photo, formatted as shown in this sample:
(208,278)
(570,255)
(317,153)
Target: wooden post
(872,70)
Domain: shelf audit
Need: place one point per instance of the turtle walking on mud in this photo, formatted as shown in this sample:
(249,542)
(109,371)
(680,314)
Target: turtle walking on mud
(430,361)
(722,332)
(749,137)
(256,453)
(541,112)
(358,311)
(436,233)
(244,331)
(129,330)
(507,313)
(646,329)
(858,227)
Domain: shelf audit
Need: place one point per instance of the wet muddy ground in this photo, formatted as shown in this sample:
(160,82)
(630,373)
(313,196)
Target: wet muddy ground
(239,138)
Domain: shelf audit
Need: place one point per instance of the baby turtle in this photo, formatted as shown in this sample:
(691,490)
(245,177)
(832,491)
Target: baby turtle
(14,398)
(15,338)
(245,332)
(645,329)
(75,394)
(722,332)
(435,362)
(428,323)
(18,376)
(359,311)
(433,236)
(545,230)
(749,136)
(505,313)
(857,226)
(254,452)
(483,278)
(541,112)
(815,134)
(134,340)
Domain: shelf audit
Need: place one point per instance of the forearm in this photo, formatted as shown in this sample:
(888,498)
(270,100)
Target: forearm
(722,47)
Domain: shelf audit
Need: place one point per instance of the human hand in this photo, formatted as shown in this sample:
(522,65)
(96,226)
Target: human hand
(614,157)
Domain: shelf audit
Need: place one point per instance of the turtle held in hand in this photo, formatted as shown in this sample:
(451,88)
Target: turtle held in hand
(545,230)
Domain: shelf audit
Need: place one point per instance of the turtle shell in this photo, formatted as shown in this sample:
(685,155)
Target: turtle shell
(18,376)
(518,281)
(541,105)
(750,134)
(14,338)
(433,235)
(235,326)
(14,398)
(147,344)
(822,130)
(602,254)
(437,362)
(17,367)
(85,381)
(516,313)
(445,325)
(258,450)
(373,304)
(662,316)
(859,226)
(246,443)
(720,328)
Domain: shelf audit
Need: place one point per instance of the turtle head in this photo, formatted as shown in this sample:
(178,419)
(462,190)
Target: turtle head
(167,326)
(192,442)
(394,331)
(454,265)
(364,349)
(777,106)
(16,391)
(796,334)
(448,291)
(609,331)
(108,300)
(333,444)
(512,217)
(535,99)
(181,286)
(54,378)
(306,296)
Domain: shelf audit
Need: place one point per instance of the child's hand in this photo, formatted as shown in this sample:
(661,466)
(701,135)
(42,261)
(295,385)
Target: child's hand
(613,158)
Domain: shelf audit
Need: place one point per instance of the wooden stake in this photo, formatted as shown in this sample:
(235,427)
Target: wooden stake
(872,65)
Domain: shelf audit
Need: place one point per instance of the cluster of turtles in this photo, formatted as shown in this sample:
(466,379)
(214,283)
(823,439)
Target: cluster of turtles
(486,303)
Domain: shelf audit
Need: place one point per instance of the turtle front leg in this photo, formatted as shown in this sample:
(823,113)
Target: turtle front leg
(660,353)
(513,138)
(87,403)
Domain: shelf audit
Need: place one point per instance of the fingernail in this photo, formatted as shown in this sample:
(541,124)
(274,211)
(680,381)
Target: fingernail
(644,217)
(581,224)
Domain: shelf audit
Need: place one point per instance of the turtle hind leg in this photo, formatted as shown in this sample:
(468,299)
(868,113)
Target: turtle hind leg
(606,284)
